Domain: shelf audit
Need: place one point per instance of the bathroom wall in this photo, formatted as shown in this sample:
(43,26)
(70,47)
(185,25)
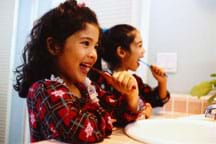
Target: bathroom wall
(188,28)
(26,12)
(185,104)
(7,14)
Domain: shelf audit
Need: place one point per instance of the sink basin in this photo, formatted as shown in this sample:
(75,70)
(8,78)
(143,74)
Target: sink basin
(190,130)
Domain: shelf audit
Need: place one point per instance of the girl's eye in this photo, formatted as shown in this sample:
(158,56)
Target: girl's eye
(96,46)
(140,45)
(85,43)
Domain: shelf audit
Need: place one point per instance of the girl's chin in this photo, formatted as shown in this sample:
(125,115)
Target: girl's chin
(134,69)
(82,78)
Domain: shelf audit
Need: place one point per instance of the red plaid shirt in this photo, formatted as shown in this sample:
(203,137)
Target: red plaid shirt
(55,113)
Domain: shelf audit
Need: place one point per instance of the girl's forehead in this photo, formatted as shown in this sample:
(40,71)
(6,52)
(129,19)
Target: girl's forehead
(90,27)
(90,30)
(137,36)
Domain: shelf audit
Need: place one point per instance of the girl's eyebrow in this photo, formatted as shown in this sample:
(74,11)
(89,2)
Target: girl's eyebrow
(139,42)
(88,38)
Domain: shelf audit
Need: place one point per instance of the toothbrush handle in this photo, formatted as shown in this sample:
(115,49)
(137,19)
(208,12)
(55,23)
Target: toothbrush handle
(164,74)
(108,77)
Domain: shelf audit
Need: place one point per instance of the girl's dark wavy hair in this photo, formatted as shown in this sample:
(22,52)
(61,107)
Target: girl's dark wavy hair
(118,35)
(59,23)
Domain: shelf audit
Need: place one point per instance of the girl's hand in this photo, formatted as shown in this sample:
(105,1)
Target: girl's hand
(161,77)
(124,82)
(146,112)
(158,74)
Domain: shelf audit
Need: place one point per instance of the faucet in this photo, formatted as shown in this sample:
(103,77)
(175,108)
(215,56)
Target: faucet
(211,111)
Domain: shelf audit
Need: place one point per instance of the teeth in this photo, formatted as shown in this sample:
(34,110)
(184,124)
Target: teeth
(87,67)
(84,65)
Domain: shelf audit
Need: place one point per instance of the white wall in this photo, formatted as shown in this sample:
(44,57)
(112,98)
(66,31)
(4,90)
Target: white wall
(7,9)
(26,12)
(187,27)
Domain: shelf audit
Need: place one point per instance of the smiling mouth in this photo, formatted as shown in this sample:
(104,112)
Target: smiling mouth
(85,67)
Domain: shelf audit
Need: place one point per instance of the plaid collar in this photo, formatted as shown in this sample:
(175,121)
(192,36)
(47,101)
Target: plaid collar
(87,89)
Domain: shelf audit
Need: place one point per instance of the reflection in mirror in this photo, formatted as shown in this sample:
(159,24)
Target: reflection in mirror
(184,27)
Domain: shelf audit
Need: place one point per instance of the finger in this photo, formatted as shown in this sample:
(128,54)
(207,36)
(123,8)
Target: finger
(115,74)
(126,81)
(116,78)
(131,83)
(157,71)
(142,116)
(122,78)
(119,81)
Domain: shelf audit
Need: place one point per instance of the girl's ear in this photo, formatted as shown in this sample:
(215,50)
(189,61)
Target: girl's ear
(52,47)
(120,52)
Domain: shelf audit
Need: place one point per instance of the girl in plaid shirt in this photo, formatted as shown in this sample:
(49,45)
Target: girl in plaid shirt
(122,49)
(63,104)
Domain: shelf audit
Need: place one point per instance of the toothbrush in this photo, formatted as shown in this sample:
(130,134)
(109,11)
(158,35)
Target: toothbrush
(149,66)
(106,75)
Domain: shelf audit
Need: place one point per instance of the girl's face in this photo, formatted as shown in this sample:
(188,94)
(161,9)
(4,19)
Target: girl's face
(79,48)
(131,59)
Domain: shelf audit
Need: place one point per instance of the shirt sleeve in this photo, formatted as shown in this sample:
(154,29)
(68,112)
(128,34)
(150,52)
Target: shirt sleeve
(54,113)
(151,95)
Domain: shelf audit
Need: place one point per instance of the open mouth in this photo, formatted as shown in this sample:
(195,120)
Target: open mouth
(85,68)
(139,61)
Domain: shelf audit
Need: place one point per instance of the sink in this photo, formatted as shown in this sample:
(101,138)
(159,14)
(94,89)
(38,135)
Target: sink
(187,130)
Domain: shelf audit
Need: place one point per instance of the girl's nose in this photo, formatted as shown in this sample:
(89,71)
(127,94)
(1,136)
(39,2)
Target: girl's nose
(93,54)
(142,52)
